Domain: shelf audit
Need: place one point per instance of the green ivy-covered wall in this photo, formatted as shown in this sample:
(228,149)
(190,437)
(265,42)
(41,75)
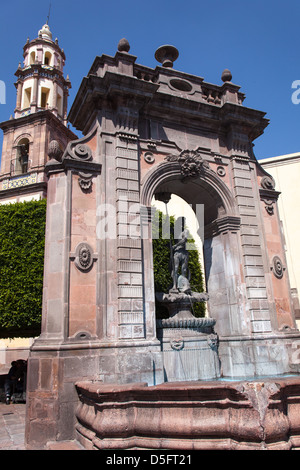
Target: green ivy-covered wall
(22,242)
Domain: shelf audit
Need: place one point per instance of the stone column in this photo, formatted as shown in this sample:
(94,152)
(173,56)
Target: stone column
(131,353)
(63,353)
(34,100)
(65,105)
(54,98)
(19,95)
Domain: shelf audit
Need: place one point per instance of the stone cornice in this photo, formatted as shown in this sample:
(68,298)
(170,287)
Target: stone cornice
(32,119)
(97,93)
(44,42)
(42,70)
(23,190)
(222,225)
(77,157)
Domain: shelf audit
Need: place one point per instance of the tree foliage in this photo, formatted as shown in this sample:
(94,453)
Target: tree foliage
(22,242)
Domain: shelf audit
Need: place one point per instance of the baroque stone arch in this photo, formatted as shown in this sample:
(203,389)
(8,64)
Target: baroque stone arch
(24,135)
(220,245)
(207,189)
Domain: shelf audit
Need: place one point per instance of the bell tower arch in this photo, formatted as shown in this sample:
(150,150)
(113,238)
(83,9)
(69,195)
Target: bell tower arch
(40,116)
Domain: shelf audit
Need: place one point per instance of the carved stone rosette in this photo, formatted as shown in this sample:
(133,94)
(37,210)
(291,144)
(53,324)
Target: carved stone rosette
(277,267)
(267,182)
(84,257)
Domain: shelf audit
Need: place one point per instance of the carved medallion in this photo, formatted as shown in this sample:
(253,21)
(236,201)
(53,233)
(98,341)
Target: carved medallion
(149,157)
(221,171)
(84,257)
(267,182)
(177,344)
(277,267)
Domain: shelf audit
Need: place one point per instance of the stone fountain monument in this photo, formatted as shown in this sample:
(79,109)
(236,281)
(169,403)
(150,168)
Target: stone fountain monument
(103,371)
(189,344)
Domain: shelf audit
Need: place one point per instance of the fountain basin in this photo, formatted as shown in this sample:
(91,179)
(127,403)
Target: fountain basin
(216,415)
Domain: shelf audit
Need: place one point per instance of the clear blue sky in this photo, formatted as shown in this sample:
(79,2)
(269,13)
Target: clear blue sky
(258,40)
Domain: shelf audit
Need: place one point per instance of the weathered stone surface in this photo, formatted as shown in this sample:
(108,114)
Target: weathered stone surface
(99,323)
(257,415)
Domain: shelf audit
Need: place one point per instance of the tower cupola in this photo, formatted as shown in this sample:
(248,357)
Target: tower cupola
(45,32)
(40,118)
(40,82)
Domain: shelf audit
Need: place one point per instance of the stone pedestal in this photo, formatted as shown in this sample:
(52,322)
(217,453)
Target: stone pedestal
(189,344)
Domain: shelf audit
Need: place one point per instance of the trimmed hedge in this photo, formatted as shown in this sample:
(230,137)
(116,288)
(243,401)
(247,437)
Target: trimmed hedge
(22,242)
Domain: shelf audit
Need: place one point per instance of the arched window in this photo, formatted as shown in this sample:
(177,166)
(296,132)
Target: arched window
(22,158)
(27,98)
(47,59)
(32,58)
(45,97)
(59,105)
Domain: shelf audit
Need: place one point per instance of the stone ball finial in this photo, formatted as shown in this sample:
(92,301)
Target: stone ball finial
(226,76)
(54,151)
(166,55)
(123,45)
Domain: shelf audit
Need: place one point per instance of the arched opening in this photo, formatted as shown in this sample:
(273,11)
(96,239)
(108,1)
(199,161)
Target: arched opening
(219,224)
(22,157)
(47,58)
(32,58)
(59,105)
(27,98)
(45,92)
(168,224)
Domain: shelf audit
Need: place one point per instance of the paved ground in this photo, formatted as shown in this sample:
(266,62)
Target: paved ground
(12,430)
(12,426)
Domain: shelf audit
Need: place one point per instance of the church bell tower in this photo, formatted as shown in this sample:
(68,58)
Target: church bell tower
(40,117)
